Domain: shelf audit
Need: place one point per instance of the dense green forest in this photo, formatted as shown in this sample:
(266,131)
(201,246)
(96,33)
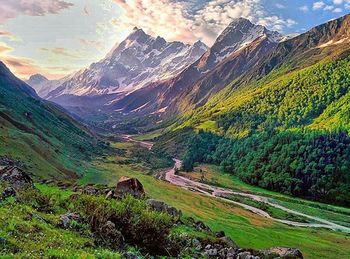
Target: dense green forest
(291,135)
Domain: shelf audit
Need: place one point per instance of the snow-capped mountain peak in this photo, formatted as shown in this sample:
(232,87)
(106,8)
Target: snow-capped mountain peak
(138,60)
(237,35)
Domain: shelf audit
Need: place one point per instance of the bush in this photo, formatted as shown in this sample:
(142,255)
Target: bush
(139,225)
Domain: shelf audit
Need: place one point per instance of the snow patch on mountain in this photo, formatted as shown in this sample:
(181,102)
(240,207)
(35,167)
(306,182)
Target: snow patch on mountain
(137,61)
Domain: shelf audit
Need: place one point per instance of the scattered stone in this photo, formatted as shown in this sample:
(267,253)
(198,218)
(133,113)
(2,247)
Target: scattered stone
(16,178)
(196,244)
(8,192)
(284,252)
(66,220)
(220,234)
(245,255)
(110,195)
(110,235)
(130,186)
(7,161)
(228,242)
(91,190)
(163,207)
(211,252)
(130,255)
(201,226)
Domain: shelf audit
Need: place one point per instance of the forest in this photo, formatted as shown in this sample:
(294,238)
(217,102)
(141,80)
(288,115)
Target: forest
(288,136)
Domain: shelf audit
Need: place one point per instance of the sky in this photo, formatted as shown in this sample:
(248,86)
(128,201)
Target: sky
(57,37)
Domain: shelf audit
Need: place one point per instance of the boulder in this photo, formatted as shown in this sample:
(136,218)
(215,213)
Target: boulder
(228,242)
(16,178)
(8,192)
(130,186)
(69,219)
(283,252)
(110,235)
(201,226)
(246,255)
(163,207)
(211,252)
(91,190)
(220,234)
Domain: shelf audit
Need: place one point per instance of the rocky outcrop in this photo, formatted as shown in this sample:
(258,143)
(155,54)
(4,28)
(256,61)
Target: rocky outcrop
(8,192)
(130,186)
(283,252)
(109,235)
(163,207)
(69,220)
(15,177)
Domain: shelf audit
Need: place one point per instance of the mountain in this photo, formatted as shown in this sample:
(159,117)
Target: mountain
(236,50)
(130,65)
(41,134)
(36,79)
(283,124)
(42,85)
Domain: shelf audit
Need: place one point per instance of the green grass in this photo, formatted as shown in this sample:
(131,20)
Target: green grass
(244,227)
(214,175)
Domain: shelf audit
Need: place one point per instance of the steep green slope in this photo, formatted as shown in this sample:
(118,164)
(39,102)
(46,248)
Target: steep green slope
(285,132)
(40,133)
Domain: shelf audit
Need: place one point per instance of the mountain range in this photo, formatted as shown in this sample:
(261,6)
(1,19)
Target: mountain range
(251,90)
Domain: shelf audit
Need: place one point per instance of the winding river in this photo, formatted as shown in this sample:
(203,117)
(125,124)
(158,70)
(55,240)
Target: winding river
(220,193)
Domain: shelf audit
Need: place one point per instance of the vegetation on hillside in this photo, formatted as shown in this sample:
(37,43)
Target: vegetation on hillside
(289,135)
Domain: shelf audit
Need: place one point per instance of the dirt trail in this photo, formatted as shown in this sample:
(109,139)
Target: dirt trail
(220,193)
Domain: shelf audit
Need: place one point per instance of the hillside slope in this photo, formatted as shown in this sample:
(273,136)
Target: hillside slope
(288,130)
(40,133)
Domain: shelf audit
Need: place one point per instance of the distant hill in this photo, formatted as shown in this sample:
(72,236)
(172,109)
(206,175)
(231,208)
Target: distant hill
(40,133)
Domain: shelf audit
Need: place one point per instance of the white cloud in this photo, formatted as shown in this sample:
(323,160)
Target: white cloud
(328,8)
(318,5)
(304,8)
(12,8)
(174,20)
(337,10)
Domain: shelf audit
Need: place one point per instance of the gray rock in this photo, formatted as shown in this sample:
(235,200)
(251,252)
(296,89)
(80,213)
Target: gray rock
(163,207)
(197,244)
(8,192)
(245,255)
(110,235)
(16,178)
(284,252)
(228,242)
(211,252)
(91,190)
(67,220)
(130,255)
(220,234)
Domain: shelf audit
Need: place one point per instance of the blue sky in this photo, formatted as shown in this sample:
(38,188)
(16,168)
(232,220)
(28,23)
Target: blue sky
(57,37)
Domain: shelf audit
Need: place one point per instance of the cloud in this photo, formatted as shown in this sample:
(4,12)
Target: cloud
(177,20)
(318,5)
(4,48)
(304,8)
(12,8)
(59,51)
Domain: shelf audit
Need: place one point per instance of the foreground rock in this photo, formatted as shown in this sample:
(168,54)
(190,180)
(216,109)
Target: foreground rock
(110,236)
(163,207)
(283,252)
(69,220)
(130,186)
(16,178)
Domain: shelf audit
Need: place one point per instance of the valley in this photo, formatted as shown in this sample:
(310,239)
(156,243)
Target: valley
(315,240)
(174,148)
